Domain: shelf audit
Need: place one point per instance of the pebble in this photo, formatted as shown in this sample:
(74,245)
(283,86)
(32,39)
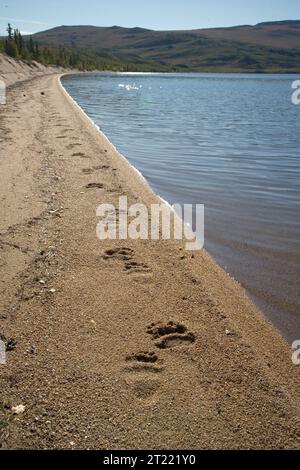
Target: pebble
(18,410)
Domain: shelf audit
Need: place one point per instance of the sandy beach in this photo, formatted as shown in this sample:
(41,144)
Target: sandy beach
(119,344)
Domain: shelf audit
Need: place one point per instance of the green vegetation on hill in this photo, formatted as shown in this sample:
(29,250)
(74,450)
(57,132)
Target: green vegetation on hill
(26,48)
(16,46)
(260,48)
(267,47)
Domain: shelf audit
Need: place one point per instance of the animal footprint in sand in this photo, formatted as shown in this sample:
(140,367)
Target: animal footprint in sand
(135,267)
(145,388)
(141,365)
(171,334)
(124,254)
(130,266)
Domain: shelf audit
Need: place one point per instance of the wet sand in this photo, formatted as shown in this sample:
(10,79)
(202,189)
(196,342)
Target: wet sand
(119,345)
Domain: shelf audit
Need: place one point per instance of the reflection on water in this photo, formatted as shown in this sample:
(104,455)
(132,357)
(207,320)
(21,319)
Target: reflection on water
(231,142)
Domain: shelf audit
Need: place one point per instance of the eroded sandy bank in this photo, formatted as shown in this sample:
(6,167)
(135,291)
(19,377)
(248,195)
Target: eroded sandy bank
(13,71)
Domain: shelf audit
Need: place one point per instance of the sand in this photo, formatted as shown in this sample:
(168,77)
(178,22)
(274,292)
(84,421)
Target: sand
(13,71)
(94,359)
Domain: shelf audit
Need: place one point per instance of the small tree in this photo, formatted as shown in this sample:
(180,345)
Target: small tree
(10,48)
(9,31)
(19,41)
(31,46)
(36,51)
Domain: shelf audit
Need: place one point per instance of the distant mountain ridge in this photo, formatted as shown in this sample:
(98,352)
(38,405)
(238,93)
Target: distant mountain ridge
(268,46)
(284,22)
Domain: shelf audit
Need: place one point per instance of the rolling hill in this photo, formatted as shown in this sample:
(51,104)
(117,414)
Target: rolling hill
(270,47)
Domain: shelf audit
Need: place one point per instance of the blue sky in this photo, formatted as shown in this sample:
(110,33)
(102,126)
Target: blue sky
(37,15)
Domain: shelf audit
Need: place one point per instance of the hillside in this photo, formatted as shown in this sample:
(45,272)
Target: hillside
(24,48)
(280,34)
(264,47)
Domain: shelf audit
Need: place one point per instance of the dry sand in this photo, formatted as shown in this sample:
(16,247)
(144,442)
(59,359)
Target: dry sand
(86,361)
(13,71)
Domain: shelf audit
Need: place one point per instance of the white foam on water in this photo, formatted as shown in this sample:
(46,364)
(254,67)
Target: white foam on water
(129,87)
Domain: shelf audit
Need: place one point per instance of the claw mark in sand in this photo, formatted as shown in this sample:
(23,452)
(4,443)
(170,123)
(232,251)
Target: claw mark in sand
(146,357)
(94,186)
(169,335)
(143,362)
(120,253)
(89,171)
(134,267)
(79,154)
(102,167)
(130,266)
(72,146)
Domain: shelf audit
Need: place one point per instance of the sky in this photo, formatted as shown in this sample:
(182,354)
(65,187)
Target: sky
(31,16)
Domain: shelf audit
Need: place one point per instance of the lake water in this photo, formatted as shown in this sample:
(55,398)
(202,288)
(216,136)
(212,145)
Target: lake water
(229,141)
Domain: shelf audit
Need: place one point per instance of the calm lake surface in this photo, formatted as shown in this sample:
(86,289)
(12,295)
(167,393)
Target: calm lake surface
(229,141)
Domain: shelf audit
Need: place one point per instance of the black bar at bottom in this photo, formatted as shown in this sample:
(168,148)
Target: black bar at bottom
(134,459)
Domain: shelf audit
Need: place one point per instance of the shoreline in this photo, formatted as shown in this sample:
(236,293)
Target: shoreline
(278,312)
(144,181)
(157,196)
(233,386)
